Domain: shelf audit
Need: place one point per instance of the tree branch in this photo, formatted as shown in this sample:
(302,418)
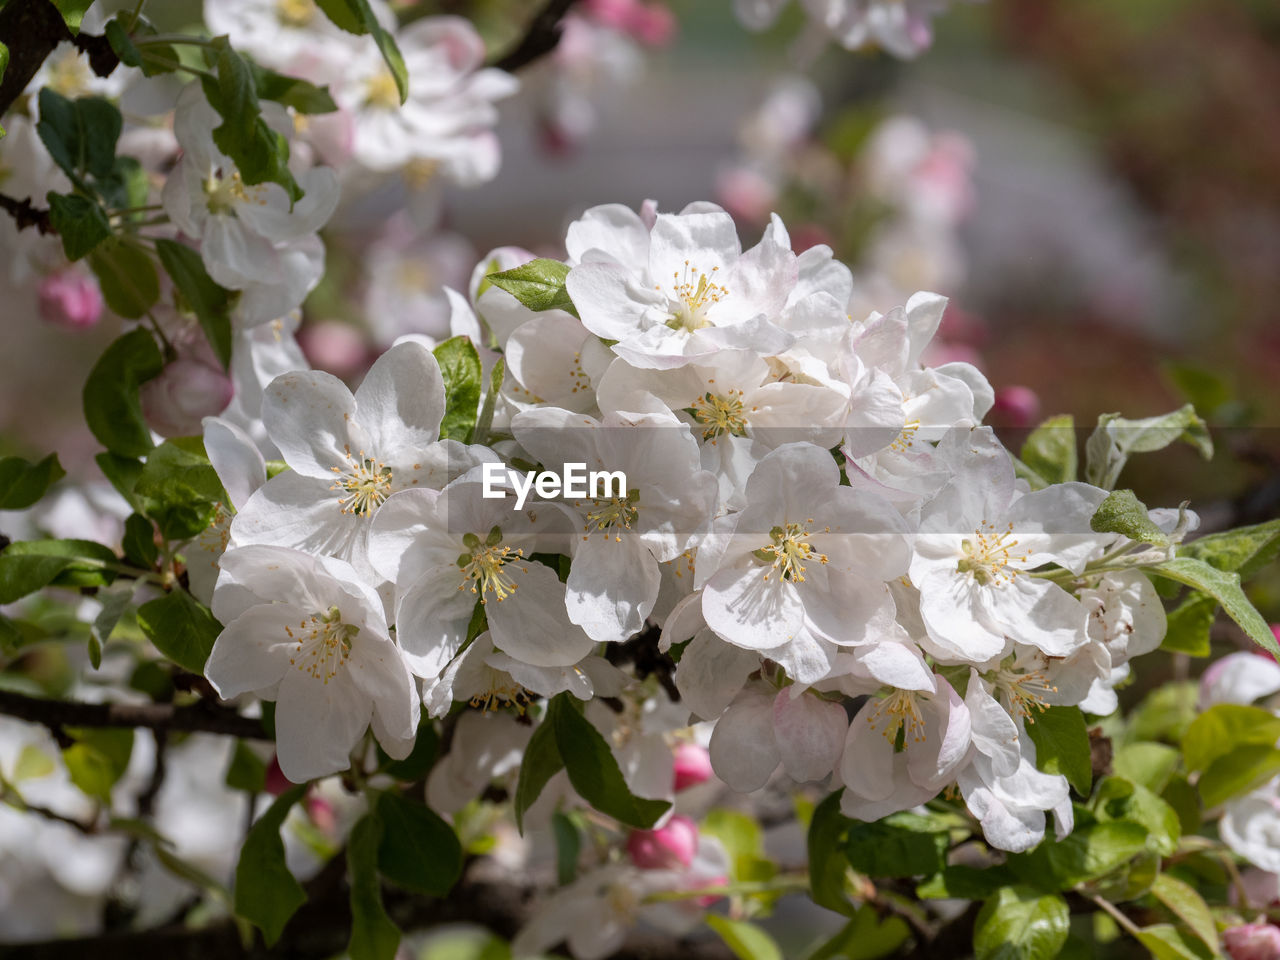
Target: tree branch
(25,214)
(31,29)
(201,717)
(540,38)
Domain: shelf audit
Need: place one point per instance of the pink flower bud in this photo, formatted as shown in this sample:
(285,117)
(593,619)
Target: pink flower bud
(708,899)
(808,235)
(652,24)
(669,848)
(1015,407)
(71,298)
(186,392)
(1252,941)
(276,782)
(337,348)
(692,765)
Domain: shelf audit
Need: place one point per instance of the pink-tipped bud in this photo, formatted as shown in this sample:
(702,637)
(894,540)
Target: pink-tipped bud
(186,392)
(1015,407)
(334,347)
(71,298)
(1252,941)
(669,848)
(692,765)
(276,782)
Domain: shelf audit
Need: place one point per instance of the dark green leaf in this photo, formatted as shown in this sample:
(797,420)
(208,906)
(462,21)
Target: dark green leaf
(357,16)
(460,366)
(1062,745)
(1089,853)
(1051,450)
(541,762)
(538,284)
(22,483)
(127,276)
(266,893)
(568,846)
(828,863)
(210,302)
(1224,587)
(419,851)
(293,92)
(965,883)
(420,759)
(594,771)
(247,771)
(140,542)
(28,565)
(865,937)
(127,186)
(1124,513)
(900,845)
(1020,924)
(1185,800)
(80,222)
(181,627)
(123,472)
(80,135)
(373,935)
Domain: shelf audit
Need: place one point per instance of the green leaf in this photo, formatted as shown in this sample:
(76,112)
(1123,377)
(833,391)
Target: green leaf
(153,58)
(1118,799)
(481,432)
(73,12)
(1062,745)
(1148,764)
(1185,800)
(247,771)
(419,851)
(127,186)
(568,846)
(965,883)
(1167,942)
(302,96)
(1245,550)
(373,935)
(460,367)
(181,488)
(181,627)
(1166,712)
(828,862)
(80,135)
(594,771)
(1088,853)
(1124,513)
(127,276)
(266,893)
(1245,768)
(1188,906)
(98,759)
(208,301)
(1222,728)
(22,483)
(140,542)
(28,565)
(900,845)
(80,222)
(541,762)
(420,759)
(1050,450)
(1115,439)
(260,153)
(743,840)
(1020,924)
(123,473)
(746,940)
(1188,625)
(1223,586)
(865,937)
(538,284)
(357,16)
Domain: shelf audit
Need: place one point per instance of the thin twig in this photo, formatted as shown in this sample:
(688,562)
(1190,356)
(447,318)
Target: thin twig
(540,38)
(202,716)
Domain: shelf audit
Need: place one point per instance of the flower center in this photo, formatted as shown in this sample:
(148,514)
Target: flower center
(364,485)
(295,13)
(324,644)
(612,514)
(898,718)
(420,171)
(1024,692)
(720,414)
(501,692)
(988,553)
(69,75)
(381,92)
(221,194)
(697,293)
(789,551)
(907,438)
(483,566)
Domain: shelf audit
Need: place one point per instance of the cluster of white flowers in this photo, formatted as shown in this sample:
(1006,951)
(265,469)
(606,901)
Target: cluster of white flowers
(902,27)
(817,521)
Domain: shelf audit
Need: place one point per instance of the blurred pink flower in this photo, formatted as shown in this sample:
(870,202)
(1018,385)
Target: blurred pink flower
(1252,941)
(667,848)
(335,347)
(1015,407)
(70,298)
(692,765)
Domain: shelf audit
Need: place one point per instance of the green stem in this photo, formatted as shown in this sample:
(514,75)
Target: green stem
(782,884)
(1125,923)
(169,39)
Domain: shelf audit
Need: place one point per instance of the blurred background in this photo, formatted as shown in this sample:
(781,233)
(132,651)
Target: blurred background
(1094,185)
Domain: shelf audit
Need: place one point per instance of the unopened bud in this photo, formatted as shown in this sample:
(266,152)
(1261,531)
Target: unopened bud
(176,402)
(71,298)
(669,848)
(1252,941)
(692,765)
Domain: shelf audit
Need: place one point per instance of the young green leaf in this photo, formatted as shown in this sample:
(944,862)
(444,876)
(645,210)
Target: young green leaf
(1167,942)
(1188,625)
(1020,924)
(1223,586)
(98,759)
(1223,728)
(266,893)
(1124,513)
(373,935)
(1244,769)
(418,851)
(79,221)
(1115,439)
(594,771)
(181,489)
(746,940)
(460,366)
(23,483)
(140,542)
(1119,799)
(1050,450)
(1188,906)
(865,937)
(1244,550)
(73,12)
(210,302)
(538,284)
(1062,745)
(111,404)
(181,627)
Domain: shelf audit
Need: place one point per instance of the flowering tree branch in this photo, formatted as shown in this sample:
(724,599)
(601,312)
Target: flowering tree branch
(31,29)
(203,716)
(540,38)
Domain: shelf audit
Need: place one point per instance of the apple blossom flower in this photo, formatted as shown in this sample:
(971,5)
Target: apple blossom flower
(1252,941)
(900,27)
(1011,807)
(70,298)
(692,765)
(310,633)
(1239,678)
(671,846)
